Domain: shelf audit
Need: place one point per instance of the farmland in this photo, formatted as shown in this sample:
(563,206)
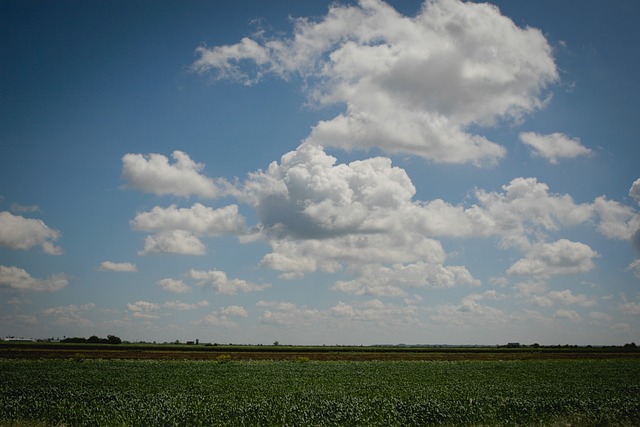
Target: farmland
(299,391)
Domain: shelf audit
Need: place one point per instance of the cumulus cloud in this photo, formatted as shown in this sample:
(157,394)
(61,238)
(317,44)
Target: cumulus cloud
(635,267)
(179,305)
(173,242)
(617,221)
(568,315)
(18,232)
(379,280)
(153,173)
(71,314)
(121,267)
(220,283)
(174,286)
(628,307)
(634,191)
(522,212)
(409,84)
(198,219)
(223,317)
(470,311)
(144,309)
(18,279)
(554,146)
(290,315)
(151,310)
(320,215)
(560,257)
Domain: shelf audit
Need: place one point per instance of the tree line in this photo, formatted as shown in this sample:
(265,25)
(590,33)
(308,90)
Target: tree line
(94,339)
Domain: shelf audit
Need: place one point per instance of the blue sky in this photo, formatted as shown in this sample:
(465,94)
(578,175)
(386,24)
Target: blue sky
(320,173)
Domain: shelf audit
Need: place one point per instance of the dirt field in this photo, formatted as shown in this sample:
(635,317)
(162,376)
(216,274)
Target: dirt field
(80,351)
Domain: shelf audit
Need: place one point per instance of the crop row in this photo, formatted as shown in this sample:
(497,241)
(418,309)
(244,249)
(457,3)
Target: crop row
(172,393)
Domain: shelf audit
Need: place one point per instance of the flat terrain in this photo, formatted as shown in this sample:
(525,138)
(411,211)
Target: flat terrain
(225,392)
(13,350)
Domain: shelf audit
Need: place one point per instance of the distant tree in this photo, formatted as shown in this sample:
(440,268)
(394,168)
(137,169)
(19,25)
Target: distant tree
(112,339)
(93,339)
(276,343)
(75,340)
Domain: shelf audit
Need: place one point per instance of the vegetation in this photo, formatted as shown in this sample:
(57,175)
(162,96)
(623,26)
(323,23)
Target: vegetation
(91,392)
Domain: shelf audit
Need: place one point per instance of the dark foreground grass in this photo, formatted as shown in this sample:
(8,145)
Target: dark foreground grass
(307,393)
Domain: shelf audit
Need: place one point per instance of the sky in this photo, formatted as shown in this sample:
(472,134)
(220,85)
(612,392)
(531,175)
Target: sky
(321,172)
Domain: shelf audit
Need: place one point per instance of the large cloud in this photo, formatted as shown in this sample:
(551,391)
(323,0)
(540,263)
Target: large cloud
(318,214)
(409,84)
(18,232)
(522,214)
(554,146)
(19,279)
(154,174)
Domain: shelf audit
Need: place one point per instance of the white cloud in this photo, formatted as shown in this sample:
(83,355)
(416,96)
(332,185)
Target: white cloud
(174,242)
(222,317)
(15,207)
(568,315)
(144,309)
(234,310)
(153,173)
(560,257)
(566,297)
(598,317)
(377,312)
(198,219)
(635,267)
(71,314)
(522,212)
(379,280)
(18,232)
(290,315)
(121,267)
(617,221)
(179,305)
(220,283)
(554,146)
(19,279)
(634,191)
(628,307)
(174,286)
(468,313)
(409,84)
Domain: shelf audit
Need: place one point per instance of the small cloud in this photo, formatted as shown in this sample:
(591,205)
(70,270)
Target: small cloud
(635,267)
(15,207)
(19,279)
(18,232)
(220,283)
(634,191)
(153,173)
(173,242)
(568,315)
(598,317)
(179,305)
(554,146)
(174,286)
(121,267)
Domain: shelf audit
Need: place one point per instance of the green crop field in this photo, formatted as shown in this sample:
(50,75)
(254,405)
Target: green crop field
(92,392)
